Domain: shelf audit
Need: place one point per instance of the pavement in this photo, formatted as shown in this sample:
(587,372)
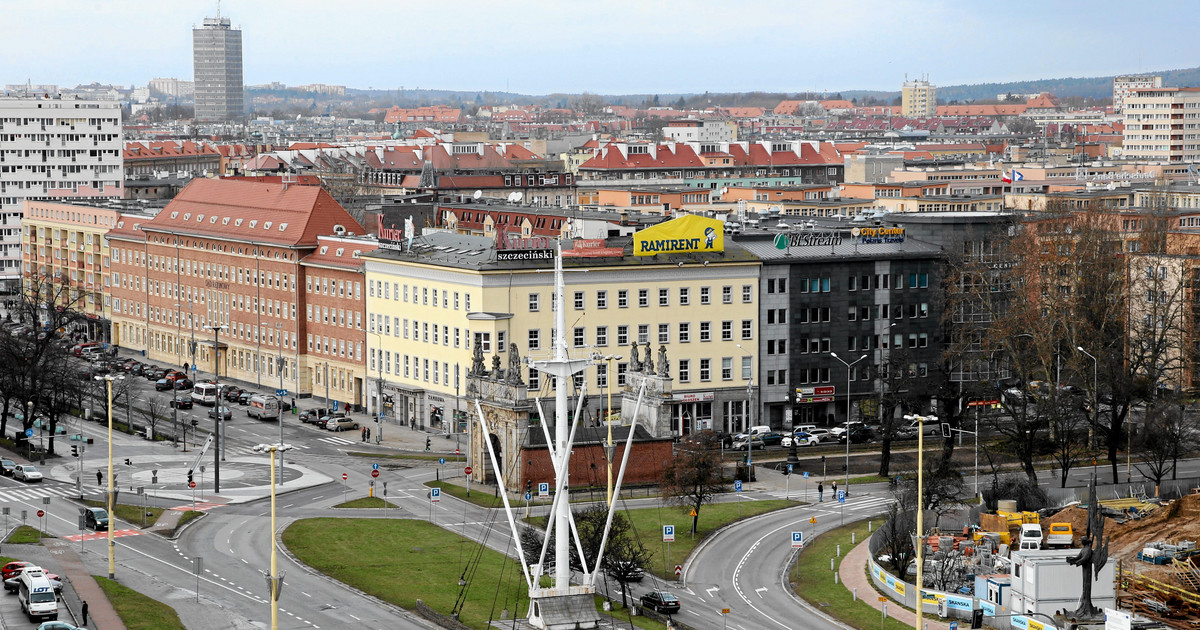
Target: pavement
(853,571)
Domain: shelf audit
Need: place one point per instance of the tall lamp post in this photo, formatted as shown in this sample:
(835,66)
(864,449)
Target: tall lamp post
(1096,399)
(609,449)
(112,564)
(279,368)
(920,508)
(749,418)
(846,432)
(218,425)
(274,578)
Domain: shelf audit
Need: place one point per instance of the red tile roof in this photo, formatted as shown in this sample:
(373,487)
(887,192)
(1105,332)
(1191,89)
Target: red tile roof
(166,148)
(331,257)
(255,212)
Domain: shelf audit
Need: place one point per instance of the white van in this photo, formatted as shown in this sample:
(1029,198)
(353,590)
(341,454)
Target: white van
(263,407)
(36,595)
(1031,536)
(204,393)
(759,430)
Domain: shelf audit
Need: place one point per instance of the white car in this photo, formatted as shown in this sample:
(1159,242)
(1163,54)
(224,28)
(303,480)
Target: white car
(837,431)
(822,435)
(27,472)
(802,439)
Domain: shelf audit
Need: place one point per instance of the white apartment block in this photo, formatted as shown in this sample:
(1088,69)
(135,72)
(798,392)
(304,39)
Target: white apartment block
(53,149)
(700,131)
(1124,86)
(1163,124)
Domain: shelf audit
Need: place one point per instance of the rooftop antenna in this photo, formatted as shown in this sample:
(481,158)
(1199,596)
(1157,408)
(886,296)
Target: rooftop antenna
(218,8)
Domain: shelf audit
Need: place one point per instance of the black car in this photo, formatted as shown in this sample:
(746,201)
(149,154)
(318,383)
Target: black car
(6,466)
(163,385)
(230,393)
(137,368)
(182,402)
(244,397)
(661,602)
(311,416)
(858,435)
(154,373)
(772,438)
(184,384)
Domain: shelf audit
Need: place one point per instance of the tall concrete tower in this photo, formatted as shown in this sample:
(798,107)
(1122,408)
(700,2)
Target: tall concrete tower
(217,66)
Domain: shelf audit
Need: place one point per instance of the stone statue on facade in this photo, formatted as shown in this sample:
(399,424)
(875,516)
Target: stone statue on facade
(1093,555)
(513,376)
(648,364)
(497,373)
(477,361)
(635,362)
(664,368)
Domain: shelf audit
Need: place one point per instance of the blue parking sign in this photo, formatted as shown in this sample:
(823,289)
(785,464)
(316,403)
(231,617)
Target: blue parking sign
(737,485)
(543,490)
(797,540)
(841,496)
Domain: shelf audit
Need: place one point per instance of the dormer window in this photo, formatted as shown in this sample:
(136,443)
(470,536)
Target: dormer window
(339,251)
(200,218)
(213,221)
(237,223)
(253,222)
(187,216)
(175,214)
(324,248)
(225,221)
(282,227)
(267,225)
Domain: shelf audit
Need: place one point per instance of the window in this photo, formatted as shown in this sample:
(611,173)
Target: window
(622,335)
(622,368)
(727,369)
(852,283)
(622,298)
(534,302)
(923,340)
(704,296)
(705,331)
(500,339)
(579,300)
(851,313)
(685,332)
(643,333)
(685,370)
(602,336)
(727,295)
(685,297)
(747,368)
(535,339)
(705,370)
(747,293)
(579,336)
(643,297)
(484,341)
(747,329)
(602,299)
(664,333)
(727,330)
(664,297)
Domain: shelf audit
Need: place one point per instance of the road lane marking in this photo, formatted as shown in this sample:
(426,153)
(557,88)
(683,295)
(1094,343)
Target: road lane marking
(760,590)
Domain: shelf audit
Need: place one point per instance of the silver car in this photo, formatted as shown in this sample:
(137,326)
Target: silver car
(27,472)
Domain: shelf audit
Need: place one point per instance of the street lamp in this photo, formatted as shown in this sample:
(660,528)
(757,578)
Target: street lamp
(846,433)
(218,425)
(609,449)
(1096,401)
(279,369)
(920,507)
(112,564)
(274,578)
(749,419)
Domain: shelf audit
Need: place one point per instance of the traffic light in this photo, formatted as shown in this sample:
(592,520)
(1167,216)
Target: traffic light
(977,619)
(428,446)
(127,462)
(189,476)
(74,450)
(822,460)
(195,422)
(785,471)
(528,487)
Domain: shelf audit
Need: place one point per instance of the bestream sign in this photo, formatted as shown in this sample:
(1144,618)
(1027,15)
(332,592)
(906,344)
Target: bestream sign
(686,235)
(808,239)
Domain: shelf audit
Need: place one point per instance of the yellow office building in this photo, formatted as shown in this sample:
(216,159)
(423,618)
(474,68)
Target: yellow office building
(429,308)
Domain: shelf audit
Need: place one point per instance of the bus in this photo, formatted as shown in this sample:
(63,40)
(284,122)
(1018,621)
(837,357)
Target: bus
(205,393)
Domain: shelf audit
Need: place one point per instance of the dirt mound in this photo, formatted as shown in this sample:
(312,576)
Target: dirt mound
(1178,520)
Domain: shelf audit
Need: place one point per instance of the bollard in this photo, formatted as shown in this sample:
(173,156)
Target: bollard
(839,550)
(868,526)
(853,538)
(835,581)
(854,593)
(831,564)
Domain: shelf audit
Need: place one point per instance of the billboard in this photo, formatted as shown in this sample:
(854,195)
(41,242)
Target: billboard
(685,235)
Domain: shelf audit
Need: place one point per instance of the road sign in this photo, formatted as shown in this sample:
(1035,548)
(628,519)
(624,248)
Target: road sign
(953,625)
(345,476)
(797,540)
(381,415)
(335,405)
(441,461)
(724,611)
(191,484)
(679,569)
(467,470)
(805,473)
(456,450)
(281,392)
(812,520)
(374,466)
(737,485)
(374,473)
(668,533)
(435,494)
(841,496)
(882,598)
(528,496)
(543,490)
(28,432)
(41,513)
(789,468)
(692,513)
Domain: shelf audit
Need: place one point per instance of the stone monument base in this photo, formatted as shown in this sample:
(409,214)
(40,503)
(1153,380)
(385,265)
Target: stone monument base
(575,611)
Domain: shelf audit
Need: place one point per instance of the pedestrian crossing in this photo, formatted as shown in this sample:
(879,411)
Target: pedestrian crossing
(864,503)
(337,441)
(199,506)
(35,493)
(249,450)
(117,533)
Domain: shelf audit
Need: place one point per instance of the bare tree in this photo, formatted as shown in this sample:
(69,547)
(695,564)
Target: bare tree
(897,531)
(152,412)
(1068,433)
(694,477)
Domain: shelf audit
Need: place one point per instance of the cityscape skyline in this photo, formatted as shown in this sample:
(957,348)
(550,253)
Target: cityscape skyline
(620,48)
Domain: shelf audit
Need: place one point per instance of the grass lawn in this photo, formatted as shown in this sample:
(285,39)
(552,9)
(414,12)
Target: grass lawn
(137,611)
(184,519)
(813,582)
(26,535)
(131,513)
(403,560)
(483,496)
(366,502)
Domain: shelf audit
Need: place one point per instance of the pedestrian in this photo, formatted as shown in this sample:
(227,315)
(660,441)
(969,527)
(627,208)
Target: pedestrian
(83,612)
(833,490)
(364,434)
(820,491)
(99,477)
(368,434)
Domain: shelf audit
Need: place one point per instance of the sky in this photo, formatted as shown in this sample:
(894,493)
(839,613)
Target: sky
(603,46)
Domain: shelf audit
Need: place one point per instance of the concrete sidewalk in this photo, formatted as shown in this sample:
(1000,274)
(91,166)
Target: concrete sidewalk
(101,615)
(853,571)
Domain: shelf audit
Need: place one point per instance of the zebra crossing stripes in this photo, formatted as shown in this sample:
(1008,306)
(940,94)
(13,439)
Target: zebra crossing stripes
(336,441)
(117,533)
(33,493)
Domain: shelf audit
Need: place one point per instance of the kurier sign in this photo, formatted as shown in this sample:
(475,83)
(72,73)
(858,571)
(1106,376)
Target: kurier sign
(512,246)
(592,248)
(685,235)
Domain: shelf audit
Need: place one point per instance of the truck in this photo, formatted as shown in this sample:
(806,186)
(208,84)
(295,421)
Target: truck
(1060,535)
(1031,537)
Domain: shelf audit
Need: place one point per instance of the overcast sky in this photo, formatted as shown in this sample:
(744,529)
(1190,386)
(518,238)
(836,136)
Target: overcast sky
(603,46)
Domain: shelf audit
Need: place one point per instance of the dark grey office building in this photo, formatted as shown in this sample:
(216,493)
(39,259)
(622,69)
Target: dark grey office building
(217,69)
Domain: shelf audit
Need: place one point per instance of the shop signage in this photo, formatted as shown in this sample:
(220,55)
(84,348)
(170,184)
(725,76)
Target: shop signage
(592,248)
(688,397)
(685,235)
(824,390)
(389,237)
(512,246)
(808,239)
(875,235)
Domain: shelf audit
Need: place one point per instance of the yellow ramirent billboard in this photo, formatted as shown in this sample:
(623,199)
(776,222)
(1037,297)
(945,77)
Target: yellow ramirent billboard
(685,235)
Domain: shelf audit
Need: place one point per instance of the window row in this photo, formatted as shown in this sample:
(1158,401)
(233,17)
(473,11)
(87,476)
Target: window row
(424,296)
(335,347)
(334,316)
(661,297)
(333,287)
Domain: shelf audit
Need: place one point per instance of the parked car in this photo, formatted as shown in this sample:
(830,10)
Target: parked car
(822,435)
(26,472)
(153,373)
(660,601)
(742,441)
(174,375)
(857,434)
(163,385)
(324,420)
(244,397)
(801,438)
(230,393)
(128,364)
(181,401)
(7,466)
(58,625)
(340,423)
(311,416)
(13,582)
(12,568)
(771,438)
(95,518)
(184,385)
(841,428)
(223,411)
(137,368)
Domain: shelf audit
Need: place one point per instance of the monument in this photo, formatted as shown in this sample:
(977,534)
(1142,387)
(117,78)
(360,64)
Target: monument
(1093,555)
